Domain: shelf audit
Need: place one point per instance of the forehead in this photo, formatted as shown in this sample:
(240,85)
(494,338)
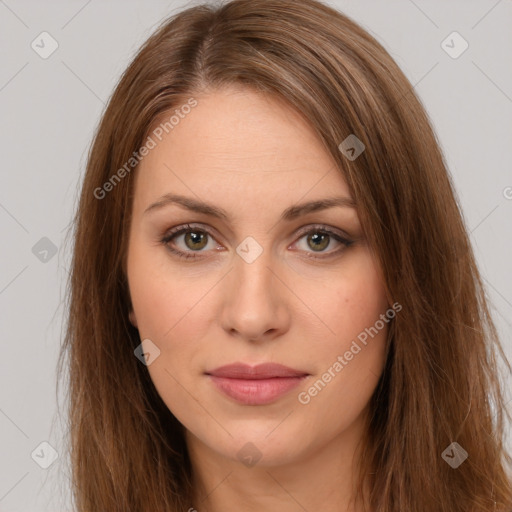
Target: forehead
(239,142)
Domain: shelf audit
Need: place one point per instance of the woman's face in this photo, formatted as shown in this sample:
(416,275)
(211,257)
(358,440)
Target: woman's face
(268,280)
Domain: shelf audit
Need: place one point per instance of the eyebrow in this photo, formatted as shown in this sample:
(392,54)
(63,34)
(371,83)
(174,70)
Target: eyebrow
(289,214)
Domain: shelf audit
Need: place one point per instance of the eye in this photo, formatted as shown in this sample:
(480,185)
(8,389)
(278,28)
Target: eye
(194,239)
(318,238)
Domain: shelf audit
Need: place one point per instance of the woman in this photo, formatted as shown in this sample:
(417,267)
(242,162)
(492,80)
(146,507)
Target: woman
(274,303)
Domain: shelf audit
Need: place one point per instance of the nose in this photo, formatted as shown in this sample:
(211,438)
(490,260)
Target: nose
(255,300)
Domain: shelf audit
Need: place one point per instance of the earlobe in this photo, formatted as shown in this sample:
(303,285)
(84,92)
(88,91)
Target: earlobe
(132,318)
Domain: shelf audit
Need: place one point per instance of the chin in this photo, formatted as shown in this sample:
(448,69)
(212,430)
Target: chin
(255,446)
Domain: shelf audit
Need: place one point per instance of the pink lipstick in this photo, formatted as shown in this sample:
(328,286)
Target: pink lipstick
(256,385)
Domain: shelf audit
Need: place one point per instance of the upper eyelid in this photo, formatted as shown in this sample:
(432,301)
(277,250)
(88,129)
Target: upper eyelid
(183,228)
(179,230)
(323,227)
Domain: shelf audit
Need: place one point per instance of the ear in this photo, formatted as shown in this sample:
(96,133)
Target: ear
(133,318)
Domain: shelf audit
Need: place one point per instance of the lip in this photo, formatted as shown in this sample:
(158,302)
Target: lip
(256,385)
(260,371)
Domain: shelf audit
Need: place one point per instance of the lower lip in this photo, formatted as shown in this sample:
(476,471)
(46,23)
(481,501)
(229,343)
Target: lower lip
(256,392)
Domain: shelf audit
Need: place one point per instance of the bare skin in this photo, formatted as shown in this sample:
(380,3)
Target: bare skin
(254,157)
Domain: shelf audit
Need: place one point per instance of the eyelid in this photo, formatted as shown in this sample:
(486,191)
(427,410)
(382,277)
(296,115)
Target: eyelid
(190,226)
(302,231)
(324,228)
(341,237)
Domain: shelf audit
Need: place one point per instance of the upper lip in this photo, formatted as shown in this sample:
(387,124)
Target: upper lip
(260,371)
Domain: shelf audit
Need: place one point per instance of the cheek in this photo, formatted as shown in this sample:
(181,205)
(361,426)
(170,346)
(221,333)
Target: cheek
(352,353)
(350,361)
(350,300)
(157,296)
(172,308)
(150,297)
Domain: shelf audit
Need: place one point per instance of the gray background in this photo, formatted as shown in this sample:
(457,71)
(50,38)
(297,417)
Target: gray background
(50,108)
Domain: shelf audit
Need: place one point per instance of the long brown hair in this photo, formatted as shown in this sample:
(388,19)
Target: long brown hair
(441,382)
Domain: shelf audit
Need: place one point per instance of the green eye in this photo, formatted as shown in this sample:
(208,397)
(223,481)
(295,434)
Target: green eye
(320,241)
(195,239)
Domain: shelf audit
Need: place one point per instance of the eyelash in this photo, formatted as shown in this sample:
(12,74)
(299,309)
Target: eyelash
(314,229)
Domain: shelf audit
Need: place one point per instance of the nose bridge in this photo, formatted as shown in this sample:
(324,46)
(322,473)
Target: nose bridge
(253,275)
(253,304)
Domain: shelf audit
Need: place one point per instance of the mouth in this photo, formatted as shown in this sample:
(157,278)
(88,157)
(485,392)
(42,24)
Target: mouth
(258,385)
